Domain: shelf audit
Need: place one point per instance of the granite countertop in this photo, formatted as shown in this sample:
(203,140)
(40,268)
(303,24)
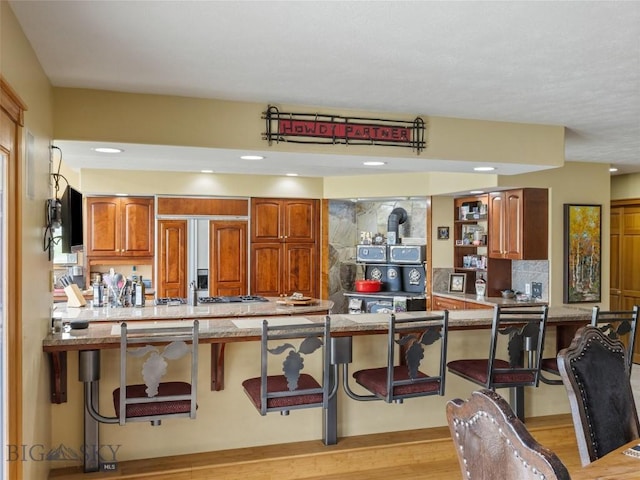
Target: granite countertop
(177,312)
(491,301)
(106,334)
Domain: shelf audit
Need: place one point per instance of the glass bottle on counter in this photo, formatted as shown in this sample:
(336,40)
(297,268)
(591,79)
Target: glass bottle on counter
(139,293)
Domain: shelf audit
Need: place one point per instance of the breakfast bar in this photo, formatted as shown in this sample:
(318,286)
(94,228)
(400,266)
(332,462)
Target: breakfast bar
(218,331)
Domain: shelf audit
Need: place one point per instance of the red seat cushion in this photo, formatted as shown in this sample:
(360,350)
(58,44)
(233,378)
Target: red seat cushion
(476,371)
(375,380)
(278,383)
(155,408)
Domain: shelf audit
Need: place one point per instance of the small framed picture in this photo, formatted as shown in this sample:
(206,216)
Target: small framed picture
(457,282)
(443,233)
(459,243)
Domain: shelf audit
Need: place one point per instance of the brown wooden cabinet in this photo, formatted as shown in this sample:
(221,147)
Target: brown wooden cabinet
(119,227)
(446,303)
(624,290)
(284,246)
(172,259)
(227,258)
(518,224)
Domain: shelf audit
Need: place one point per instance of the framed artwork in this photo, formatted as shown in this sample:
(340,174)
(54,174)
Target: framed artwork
(582,253)
(457,282)
(443,233)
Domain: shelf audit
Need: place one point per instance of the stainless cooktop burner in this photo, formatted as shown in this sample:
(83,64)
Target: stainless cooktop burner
(233,299)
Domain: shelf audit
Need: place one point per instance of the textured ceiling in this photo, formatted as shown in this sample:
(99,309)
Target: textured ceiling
(575,64)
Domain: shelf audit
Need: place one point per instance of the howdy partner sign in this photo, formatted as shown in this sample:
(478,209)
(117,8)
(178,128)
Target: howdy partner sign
(322,129)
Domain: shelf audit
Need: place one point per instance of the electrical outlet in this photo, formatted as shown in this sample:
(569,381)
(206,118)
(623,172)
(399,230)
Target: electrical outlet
(527,289)
(536,289)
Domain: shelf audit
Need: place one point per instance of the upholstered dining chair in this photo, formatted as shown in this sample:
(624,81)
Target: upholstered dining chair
(595,373)
(517,341)
(410,336)
(292,389)
(492,443)
(615,323)
(155,400)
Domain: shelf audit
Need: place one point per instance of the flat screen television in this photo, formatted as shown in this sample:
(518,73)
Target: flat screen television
(71,219)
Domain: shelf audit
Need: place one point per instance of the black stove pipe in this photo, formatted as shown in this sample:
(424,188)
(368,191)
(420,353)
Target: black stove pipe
(397,216)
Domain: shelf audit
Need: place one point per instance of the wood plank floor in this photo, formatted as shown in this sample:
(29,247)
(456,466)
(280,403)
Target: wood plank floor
(425,454)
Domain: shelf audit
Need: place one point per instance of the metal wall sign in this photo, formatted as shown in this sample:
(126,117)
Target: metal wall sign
(336,129)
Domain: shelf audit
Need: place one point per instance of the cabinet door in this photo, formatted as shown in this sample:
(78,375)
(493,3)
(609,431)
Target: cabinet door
(266,269)
(265,220)
(137,227)
(300,269)
(300,221)
(496,225)
(172,260)
(228,258)
(103,227)
(615,236)
(513,224)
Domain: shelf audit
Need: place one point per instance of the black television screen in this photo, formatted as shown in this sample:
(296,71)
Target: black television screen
(71,219)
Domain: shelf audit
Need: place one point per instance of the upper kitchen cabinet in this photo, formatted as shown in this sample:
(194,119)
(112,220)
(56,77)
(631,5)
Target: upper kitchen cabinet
(518,224)
(284,246)
(120,227)
(284,220)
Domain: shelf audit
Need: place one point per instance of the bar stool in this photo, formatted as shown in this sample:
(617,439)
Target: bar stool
(616,324)
(293,389)
(525,327)
(394,383)
(155,400)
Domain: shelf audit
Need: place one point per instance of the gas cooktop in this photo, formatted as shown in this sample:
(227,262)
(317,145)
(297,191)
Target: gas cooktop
(170,301)
(233,299)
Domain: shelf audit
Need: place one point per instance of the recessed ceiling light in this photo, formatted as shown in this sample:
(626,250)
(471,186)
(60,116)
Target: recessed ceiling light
(108,150)
(476,192)
(292,174)
(122,194)
(374,164)
(484,169)
(252,157)
(613,169)
(206,171)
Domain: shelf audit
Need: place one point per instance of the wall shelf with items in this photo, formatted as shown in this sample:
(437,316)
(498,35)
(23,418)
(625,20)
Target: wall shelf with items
(471,240)
(470,237)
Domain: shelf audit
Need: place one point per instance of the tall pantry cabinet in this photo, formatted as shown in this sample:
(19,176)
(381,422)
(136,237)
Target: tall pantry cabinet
(285,246)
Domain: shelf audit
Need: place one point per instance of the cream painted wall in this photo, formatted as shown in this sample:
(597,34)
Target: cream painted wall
(20,68)
(93,182)
(441,215)
(156,119)
(625,186)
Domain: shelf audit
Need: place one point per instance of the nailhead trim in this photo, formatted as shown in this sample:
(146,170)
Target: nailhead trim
(581,389)
(481,414)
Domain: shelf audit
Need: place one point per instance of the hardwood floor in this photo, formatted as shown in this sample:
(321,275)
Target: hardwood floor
(425,454)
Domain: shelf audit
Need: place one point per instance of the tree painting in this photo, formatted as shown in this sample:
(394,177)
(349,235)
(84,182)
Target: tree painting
(582,253)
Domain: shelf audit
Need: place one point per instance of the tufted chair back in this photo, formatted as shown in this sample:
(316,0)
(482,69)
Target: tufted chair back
(595,373)
(492,443)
